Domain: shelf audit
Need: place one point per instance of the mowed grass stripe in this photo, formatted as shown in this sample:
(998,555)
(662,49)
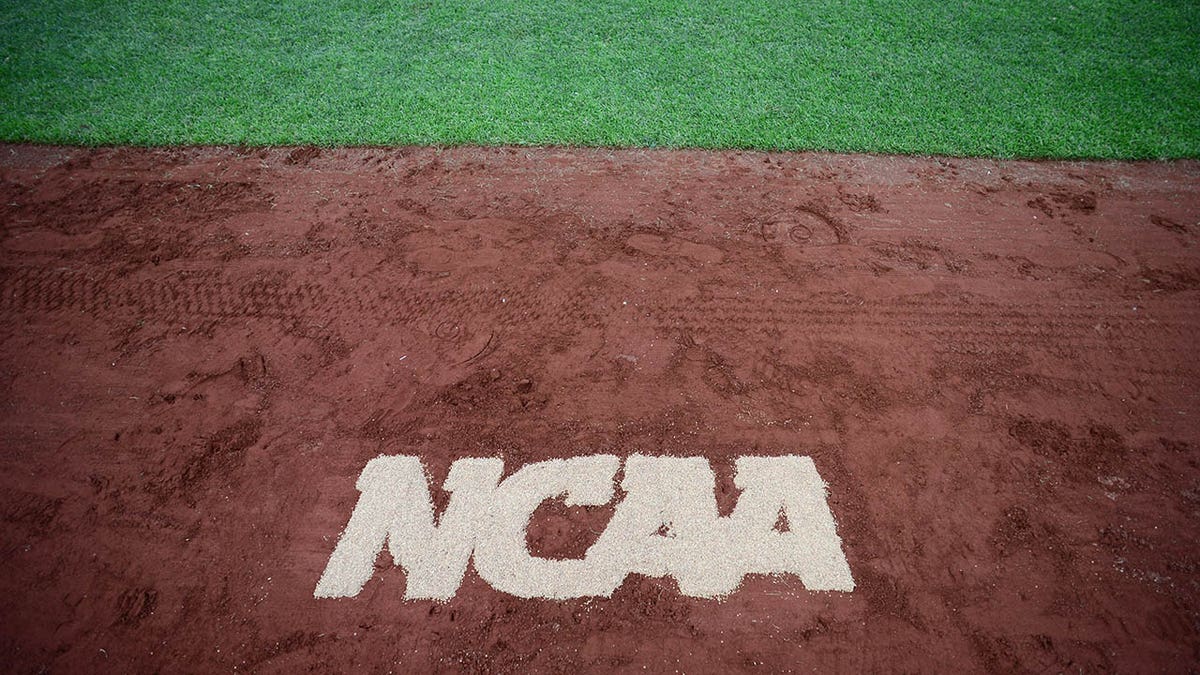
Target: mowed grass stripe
(1079,78)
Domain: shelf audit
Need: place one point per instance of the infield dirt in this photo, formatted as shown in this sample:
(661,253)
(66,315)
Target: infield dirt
(993,365)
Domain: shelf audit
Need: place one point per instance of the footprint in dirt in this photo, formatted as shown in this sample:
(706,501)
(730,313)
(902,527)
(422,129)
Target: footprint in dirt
(802,228)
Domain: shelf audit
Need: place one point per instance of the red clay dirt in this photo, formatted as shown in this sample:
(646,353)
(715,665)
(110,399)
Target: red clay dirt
(993,365)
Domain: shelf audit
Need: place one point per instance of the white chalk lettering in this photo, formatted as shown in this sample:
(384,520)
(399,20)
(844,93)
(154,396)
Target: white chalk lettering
(666,525)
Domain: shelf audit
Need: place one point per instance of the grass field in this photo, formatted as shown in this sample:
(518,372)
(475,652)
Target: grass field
(1064,78)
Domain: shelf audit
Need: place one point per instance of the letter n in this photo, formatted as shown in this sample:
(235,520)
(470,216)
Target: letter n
(395,508)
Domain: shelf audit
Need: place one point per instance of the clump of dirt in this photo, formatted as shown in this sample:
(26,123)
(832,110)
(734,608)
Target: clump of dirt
(303,155)
(1079,452)
(1168,224)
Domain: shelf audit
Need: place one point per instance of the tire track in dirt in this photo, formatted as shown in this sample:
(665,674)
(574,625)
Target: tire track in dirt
(39,290)
(476,323)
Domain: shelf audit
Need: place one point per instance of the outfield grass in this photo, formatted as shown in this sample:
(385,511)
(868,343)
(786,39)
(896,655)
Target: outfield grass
(1034,78)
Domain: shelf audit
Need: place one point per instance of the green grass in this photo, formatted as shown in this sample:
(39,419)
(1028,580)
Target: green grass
(1031,78)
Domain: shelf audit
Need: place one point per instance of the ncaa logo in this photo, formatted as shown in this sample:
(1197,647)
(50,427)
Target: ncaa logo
(667,524)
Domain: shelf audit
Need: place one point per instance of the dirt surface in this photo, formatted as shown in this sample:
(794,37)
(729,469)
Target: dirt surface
(993,365)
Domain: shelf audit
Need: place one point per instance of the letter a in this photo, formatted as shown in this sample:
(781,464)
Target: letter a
(667,525)
(786,487)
